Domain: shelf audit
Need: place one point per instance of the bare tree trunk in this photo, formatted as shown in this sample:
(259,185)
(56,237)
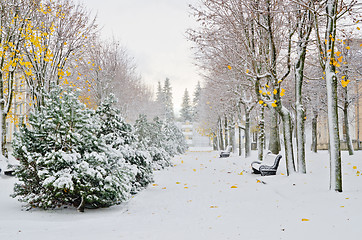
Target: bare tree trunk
(226,128)
(247,134)
(346,125)
(345,112)
(274,138)
(261,135)
(232,137)
(314,132)
(221,139)
(331,82)
(239,140)
(288,140)
(81,205)
(215,146)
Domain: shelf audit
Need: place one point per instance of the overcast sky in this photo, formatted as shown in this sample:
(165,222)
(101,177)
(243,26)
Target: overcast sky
(154,33)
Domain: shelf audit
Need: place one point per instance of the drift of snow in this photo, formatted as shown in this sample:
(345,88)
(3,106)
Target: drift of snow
(206,197)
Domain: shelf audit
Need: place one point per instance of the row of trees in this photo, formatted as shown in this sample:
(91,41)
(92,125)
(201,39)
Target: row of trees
(47,43)
(272,60)
(73,155)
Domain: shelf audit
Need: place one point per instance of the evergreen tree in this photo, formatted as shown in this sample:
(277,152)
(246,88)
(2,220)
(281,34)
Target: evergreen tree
(167,94)
(186,111)
(121,137)
(196,101)
(62,159)
(150,136)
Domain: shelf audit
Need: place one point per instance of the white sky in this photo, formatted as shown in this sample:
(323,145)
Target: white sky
(154,33)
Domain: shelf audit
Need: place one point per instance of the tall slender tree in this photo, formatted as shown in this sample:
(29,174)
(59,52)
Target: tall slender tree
(167,94)
(186,109)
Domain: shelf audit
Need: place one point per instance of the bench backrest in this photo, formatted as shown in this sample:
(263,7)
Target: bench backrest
(272,160)
(229,148)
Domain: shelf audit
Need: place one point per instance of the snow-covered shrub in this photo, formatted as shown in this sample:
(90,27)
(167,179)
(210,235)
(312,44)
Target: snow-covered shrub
(121,136)
(62,159)
(150,137)
(162,139)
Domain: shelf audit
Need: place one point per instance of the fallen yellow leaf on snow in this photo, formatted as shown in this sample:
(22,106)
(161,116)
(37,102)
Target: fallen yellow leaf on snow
(354,167)
(164,188)
(155,184)
(305,219)
(213,206)
(177,182)
(234,187)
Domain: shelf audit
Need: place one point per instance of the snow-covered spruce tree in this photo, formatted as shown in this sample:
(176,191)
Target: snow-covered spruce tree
(120,136)
(62,161)
(149,136)
(175,137)
(186,109)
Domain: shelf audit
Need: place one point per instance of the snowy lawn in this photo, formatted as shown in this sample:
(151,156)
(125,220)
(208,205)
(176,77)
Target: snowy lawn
(205,197)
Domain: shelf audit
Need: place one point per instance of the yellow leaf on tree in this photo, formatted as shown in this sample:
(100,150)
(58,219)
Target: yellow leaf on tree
(260,101)
(348,47)
(340,58)
(273,105)
(247,70)
(275,91)
(229,67)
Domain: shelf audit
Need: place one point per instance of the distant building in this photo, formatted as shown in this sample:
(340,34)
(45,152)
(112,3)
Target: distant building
(192,136)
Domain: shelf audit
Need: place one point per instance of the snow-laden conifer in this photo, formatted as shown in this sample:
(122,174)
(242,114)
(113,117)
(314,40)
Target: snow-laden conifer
(121,137)
(62,161)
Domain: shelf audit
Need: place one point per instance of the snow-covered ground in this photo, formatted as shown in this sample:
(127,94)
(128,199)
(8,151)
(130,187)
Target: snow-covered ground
(205,197)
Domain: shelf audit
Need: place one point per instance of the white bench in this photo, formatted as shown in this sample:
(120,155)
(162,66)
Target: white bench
(267,167)
(226,153)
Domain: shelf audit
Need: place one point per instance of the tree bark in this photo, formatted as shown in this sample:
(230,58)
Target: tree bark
(346,125)
(239,128)
(288,140)
(331,82)
(247,134)
(261,135)
(314,132)
(221,139)
(226,130)
(274,138)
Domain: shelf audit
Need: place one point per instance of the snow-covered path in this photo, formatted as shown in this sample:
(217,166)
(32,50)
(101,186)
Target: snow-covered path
(204,197)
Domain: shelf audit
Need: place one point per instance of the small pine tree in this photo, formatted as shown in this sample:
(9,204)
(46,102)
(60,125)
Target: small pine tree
(196,101)
(186,109)
(63,162)
(150,136)
(120,136)
(167,94)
